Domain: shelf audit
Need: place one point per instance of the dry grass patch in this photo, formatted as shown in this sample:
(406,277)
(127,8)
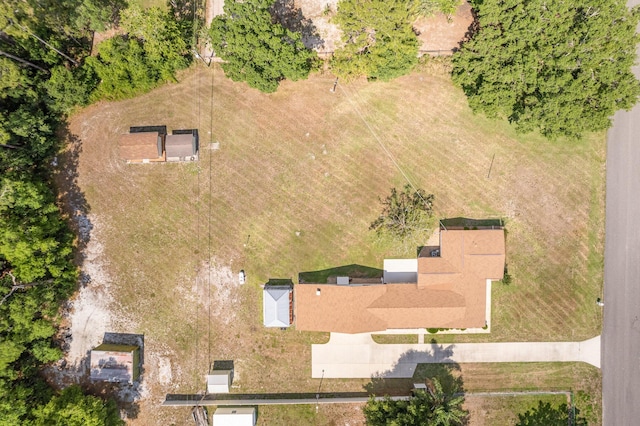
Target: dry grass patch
(294,188)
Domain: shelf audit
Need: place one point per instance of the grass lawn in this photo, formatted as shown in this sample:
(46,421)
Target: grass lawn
(294,187)
(504,410)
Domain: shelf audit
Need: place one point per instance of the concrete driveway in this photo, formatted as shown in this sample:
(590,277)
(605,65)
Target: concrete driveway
(358,356)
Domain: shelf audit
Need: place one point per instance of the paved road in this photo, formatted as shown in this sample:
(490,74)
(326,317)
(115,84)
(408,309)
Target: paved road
(621,330)
(358,356)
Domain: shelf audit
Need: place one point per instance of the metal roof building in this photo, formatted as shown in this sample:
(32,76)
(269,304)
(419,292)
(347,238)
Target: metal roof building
(277,305)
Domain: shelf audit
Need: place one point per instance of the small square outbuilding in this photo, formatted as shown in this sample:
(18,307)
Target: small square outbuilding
(219,381)
(235,416)
(115,363)
(182,145)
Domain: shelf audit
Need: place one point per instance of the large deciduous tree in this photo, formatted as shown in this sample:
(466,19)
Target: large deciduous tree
(256,49)
(379,41)
(556,66)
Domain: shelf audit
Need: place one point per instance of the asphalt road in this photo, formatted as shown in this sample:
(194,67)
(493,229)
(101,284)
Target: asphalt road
(621,330)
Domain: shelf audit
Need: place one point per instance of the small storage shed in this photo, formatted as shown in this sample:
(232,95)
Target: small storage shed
(142,147)
(277,303)
(234,416)
(115,363)
(219,381)
(182,145)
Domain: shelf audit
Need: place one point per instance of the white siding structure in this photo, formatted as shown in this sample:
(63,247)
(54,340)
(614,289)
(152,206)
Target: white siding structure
(219,381)
(230,416)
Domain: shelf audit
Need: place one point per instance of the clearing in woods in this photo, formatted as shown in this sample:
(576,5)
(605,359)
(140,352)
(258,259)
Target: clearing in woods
(293,188)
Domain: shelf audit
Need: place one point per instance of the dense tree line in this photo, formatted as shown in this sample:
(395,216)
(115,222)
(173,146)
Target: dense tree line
(547,66)
(378,41)
(45,72)
(553,66)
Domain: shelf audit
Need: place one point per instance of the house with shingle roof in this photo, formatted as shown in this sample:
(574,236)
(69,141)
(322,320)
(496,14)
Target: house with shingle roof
(445,287)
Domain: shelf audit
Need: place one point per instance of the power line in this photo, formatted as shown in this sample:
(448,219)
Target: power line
(11,21)
(24,61)
(384,148)
(210,153)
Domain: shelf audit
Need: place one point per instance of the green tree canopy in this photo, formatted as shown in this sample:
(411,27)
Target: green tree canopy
(379,41)
(432,407)
(73,408)
(550,65)
(256,49)
(151,52)
(33,238)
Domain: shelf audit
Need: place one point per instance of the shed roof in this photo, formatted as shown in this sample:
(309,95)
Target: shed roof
(140,146)
(219,381)
(180,145)
(234,416)
(448,292)
(276,306)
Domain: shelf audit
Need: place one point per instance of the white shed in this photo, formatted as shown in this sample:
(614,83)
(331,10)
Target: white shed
(234,416)
(277,303)
(219,381)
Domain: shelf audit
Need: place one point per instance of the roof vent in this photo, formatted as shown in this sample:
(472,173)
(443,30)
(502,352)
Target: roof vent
(317,292)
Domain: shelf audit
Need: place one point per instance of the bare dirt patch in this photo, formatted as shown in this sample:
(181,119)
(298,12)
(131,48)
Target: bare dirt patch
(440,35)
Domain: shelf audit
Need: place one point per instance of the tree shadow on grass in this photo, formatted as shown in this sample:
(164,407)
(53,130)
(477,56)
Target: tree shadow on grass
(73,202)
(546,415)
(431,367)
(286,14)
(354,271)
(468,223)
(434,362)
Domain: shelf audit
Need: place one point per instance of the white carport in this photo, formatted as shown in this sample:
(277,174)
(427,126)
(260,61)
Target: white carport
(400,271)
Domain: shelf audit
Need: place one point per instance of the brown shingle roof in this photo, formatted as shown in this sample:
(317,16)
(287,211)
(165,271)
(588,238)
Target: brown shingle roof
(139,146)
(450,292)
